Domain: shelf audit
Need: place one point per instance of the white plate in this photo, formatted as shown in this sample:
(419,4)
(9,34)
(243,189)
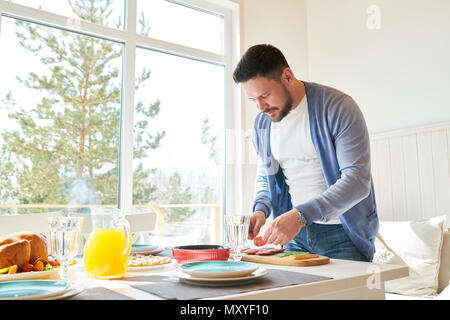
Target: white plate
(219,269)
(150,268)
(30,275)
(221,282)
(144,249)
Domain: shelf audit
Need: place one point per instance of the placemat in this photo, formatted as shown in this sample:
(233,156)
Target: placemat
(99,293)
(169,287)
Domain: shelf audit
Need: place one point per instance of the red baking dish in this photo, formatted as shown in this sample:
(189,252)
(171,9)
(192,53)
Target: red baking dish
(194,253)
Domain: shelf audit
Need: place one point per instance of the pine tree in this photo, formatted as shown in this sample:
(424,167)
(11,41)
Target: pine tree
(73,133)
(176,193)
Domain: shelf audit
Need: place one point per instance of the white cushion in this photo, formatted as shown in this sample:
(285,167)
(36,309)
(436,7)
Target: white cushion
(444,268)
(445,294)
(416,244)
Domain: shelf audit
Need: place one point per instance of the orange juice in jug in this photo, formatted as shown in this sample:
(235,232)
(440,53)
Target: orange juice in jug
(108,247)
(105,254)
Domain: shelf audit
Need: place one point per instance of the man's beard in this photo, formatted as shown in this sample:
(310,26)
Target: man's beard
(287,106)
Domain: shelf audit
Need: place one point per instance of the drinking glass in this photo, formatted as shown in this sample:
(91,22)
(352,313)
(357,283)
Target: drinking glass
(64,239)
(237,232)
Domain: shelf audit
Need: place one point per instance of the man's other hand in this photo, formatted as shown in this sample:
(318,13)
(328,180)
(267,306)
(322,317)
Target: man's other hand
(257,220)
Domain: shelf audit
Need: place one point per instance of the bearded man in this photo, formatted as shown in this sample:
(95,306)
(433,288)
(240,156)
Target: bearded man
(313,154)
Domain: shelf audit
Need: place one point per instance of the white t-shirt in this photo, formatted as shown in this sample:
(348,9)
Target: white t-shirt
(291,145)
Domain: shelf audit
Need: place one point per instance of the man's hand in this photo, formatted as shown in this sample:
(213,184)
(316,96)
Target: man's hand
(257,220)
(283,229)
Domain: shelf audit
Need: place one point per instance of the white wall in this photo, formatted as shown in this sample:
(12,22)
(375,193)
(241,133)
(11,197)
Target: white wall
(281,23)
(400,73)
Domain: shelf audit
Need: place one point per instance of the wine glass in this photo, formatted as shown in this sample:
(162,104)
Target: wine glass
(64,239)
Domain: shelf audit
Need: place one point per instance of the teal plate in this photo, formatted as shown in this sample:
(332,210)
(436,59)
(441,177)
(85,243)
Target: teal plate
(32,289)
(219,269)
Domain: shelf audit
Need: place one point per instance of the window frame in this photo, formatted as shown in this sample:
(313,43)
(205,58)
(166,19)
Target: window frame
(231,163)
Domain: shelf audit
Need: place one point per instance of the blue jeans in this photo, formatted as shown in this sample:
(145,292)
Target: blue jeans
(325,239)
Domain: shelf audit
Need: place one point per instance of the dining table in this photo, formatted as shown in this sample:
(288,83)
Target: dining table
(337,280)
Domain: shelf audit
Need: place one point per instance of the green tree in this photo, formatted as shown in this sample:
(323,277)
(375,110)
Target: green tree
(175,193)
(72,135)
(210,140)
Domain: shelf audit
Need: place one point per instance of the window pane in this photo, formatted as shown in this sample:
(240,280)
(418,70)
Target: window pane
(105,12)
(179,127)
(168,21)
(60,107)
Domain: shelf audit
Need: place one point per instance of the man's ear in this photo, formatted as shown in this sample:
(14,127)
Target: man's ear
(287,76)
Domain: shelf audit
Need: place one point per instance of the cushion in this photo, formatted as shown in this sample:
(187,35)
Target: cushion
(444,268)
(416,244)
(445,294)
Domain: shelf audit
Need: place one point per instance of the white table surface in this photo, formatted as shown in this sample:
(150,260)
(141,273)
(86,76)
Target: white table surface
(351,280)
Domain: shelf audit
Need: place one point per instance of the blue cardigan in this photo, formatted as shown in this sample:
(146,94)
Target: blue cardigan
(341,139)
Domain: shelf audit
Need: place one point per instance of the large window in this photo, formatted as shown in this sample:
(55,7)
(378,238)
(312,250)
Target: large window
(116,103)
(169,21)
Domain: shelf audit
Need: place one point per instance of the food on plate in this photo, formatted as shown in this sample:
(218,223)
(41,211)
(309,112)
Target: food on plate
(259,242)
(15,250)
(39,266)
(25,252)
(28,267)
(138,260)
(13,269)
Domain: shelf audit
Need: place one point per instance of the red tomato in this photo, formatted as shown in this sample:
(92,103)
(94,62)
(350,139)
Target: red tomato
(259,242)
(27,268)
(52,263)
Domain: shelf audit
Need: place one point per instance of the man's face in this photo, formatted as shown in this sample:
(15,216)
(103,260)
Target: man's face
(270,96)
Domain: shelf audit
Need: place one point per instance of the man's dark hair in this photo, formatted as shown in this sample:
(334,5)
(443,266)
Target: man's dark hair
(260,60)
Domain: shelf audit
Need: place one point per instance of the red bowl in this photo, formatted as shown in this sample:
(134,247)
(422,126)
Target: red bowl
(194,253)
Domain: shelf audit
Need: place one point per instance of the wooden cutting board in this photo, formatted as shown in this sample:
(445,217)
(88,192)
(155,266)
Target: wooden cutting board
(287,261)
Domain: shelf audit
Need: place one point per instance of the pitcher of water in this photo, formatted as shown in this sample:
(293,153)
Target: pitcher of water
(108,247)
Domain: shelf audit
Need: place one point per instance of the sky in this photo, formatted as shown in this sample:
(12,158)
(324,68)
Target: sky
(188,89)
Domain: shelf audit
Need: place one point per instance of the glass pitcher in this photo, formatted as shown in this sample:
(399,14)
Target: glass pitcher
(108,247)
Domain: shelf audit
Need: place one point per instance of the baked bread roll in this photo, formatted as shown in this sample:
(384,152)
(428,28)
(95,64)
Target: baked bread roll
(38,244)
(14,252)
(37,247)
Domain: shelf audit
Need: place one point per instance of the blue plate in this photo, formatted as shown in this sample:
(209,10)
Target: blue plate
(32,289)
(219,269)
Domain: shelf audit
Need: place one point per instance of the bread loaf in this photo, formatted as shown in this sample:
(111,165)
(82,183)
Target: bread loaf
(14,252)
(22,246)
